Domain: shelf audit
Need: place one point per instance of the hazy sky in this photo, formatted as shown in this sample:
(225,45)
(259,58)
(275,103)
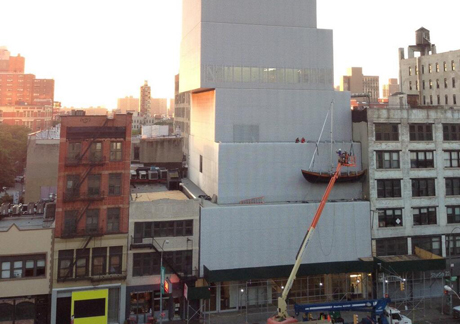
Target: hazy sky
(101,50)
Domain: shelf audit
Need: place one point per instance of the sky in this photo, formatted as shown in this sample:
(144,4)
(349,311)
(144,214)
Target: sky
(101,50)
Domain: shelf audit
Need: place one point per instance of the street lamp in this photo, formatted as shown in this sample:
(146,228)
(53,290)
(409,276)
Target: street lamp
(449,289)
(161,280)
(450,241)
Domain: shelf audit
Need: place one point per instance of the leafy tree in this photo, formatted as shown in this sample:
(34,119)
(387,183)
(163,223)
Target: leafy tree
(13,152)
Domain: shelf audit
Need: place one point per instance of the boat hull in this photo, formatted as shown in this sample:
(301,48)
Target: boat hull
(325,177)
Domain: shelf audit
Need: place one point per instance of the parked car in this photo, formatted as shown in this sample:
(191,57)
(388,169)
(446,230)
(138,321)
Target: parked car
(456,310)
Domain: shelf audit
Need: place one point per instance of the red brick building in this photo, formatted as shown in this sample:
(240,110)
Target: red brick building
(25,89)
(92,150)
(35,117)
(91,224)
(11,64)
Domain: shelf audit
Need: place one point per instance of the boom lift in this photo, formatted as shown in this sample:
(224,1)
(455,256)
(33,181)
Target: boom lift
(282,317)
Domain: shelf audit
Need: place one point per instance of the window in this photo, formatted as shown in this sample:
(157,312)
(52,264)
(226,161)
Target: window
(453,214)
(437,67)
(416,85)
(454,99)
(452,65)
(431,99)
(72,186)
(445,83)
(95,152)
(437,84)
(445,66)
(99,261)
(94,184)
(65,263)
(201,163)
(410,70)
(438,97)
(114,184)
(451,159)
(429,243)
(82,263)
(446,99)
(392,246)
(74,151)
(410,85)
(386,132)
(390,217)
(423,69)
(137,153)
(451,132)
(421,132)
(24,266)
(424,216)
(452,186)
(424,100)
(423,188)
(180,261)
(92,220)
(116,151)
(70,222)
(387,159)
(423,84)
(421,159)
(173,228)
(430,69)
(115,259)
(113,220)
(389,188)
(431,84)
(145,264)
(453,244)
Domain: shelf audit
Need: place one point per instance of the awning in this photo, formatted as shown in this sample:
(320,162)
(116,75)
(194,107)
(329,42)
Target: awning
(422,260)
(261,273)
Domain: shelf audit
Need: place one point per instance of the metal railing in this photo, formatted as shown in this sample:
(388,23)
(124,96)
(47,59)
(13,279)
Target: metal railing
(75,196)
(88,160)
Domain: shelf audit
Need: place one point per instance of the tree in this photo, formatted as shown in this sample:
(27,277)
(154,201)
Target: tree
(13,152)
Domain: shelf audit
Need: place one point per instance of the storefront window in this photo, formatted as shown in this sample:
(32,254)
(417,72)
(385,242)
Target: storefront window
(141,306)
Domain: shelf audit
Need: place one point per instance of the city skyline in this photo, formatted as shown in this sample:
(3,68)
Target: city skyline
(113,52)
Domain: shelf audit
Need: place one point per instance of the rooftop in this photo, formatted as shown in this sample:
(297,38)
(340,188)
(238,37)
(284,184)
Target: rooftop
(155,191)
(24,223)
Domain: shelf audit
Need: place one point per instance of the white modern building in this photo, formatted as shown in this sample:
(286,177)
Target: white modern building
(260,74)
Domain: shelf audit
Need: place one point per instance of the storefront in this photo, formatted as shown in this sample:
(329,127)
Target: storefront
(143,303)
(63,299)
(25,310)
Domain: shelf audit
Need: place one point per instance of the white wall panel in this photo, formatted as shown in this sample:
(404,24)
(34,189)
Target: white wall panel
(235,237)
(273,170)
(300,13)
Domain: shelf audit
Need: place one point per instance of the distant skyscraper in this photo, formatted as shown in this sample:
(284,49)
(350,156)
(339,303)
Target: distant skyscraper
(128,103)
(10,64)
(390,88)
(144,99)
(356,82)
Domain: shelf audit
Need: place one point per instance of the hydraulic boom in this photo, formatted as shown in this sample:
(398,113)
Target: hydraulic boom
(282,317)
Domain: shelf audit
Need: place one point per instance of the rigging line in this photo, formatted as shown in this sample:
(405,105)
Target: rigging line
(319,139)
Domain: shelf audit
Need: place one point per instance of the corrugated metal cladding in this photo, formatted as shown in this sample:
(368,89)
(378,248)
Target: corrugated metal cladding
(74,133)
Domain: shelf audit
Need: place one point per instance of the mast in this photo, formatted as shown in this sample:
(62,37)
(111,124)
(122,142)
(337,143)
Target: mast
(332,134)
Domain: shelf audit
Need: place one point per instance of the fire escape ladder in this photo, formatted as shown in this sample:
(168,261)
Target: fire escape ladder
(77,256)
(92,141)
(166,262)
(82,212)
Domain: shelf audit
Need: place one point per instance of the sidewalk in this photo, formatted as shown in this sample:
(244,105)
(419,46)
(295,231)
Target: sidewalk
(431,314)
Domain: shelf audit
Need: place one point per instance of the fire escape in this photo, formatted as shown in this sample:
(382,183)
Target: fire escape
(91,161)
